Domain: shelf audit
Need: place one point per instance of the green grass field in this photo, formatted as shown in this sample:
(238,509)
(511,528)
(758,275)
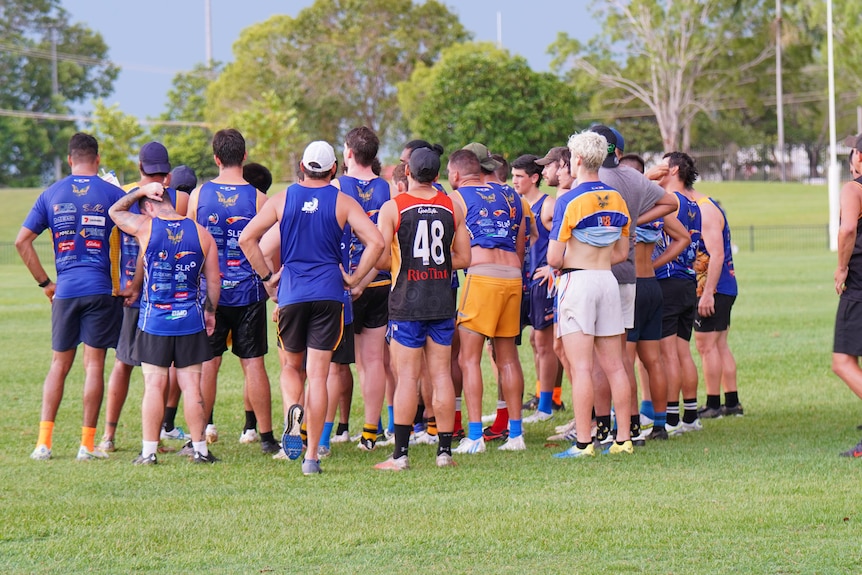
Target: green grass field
(766,493)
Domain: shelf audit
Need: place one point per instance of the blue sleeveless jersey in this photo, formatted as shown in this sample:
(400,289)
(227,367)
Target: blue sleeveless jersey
(727,280)
(493,216)
(683,266)
(539,250)
(310,246)
(86,243)
(371,195)
(173,268)
(224,210)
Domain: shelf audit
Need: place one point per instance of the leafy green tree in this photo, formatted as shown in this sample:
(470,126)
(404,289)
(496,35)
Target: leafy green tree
(120,139)
(477,92)
(28,29)
(336,63)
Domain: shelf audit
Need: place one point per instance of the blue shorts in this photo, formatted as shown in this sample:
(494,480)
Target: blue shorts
(541,307)
(649,311)
(93,319)
(414,333)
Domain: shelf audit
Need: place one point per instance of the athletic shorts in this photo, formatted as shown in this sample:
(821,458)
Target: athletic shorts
(371,310)
(92,319)
(414,334)
(627,302)
(128,331)
(179,350)
(345,353)
(718,321)
(589,302)
(541,313)
(680,304)
(491,306)
(312,324)
(245,326)
(848,326)
(648,311)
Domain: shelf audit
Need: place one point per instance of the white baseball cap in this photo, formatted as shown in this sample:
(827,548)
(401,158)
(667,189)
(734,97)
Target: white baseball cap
(318,156)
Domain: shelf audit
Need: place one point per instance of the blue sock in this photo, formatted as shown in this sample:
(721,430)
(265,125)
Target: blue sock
(390,427)
(515,428)
(660,419)
(474,430)
(546,401)
(379,425)
(647,409)
(327,432)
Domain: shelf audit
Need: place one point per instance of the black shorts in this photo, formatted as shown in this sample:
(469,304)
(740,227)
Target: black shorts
(313,324)
(648,311)
(680,304)
(848,326)
(179,350)
(718,321)
(345,353)
(541,307)
(128,331)
(371,310)
(245,325)
(93,319)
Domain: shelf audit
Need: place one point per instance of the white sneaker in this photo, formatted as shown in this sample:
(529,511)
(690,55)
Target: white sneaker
(249,436)
(175,433)
(280,456)
(538,416)
(423,438)
(514,444)
(696,425)
(445,460)
(646,422)
(41,453)
(674,430)
(400,464)
(211,433)
(85,455)
(468,445)
(388,439)
(343,437)
(565,427)
(489,418)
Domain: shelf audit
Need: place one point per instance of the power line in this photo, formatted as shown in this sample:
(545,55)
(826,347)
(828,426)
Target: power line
(89,119)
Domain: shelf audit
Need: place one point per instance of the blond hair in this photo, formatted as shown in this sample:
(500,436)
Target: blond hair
(591,147)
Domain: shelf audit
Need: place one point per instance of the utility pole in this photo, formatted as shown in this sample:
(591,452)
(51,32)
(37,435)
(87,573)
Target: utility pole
(208,33)
(55,89)
(834,171)
(779,98)
(499,30)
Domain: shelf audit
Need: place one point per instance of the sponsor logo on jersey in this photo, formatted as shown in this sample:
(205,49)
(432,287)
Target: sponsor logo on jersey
(162,255)
(93,221)
(310,206)
(164,306)
(178,314)
(181,255)
(181,295)
(62,233)
(160,287)
(93,233)
(212,218)
(175,237)
(60,220)
(161,266)
(180,277)
(215,230)
(234,219)
(65,208)
(498,213)
(228,201)
(97,208)
(80,191)
(234,263)
(94,244)
(66,246)
(427,210)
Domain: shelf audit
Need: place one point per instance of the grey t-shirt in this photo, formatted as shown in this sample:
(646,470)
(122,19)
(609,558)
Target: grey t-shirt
(640,194)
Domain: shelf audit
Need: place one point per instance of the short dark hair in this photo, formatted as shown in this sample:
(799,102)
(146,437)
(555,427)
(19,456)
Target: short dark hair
(415,144)
(258,176)
(634,161)
(687,172)
(229,147)
(364,143)
(376,166)
(318,174)
(527,162)
(83,147)
(502,172)
(466,162)
(566,157)
(399,174)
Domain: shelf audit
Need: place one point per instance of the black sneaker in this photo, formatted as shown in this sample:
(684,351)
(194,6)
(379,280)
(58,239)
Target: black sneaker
(658,433)
(854,452)
(531,404)
(707,412)
(366,444)
(269,446)
(736,410)
(490,435)
(559,406)
(208,458)
(141,460)
(187,450)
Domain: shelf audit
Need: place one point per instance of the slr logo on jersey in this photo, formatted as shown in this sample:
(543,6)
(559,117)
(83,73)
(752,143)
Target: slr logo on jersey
(80,191)
(66,246)
(93,221)
(93,233)
(65,208)
(175,237)
(97,208)
(310,206)
(233,219)
(229,201)
(94,244)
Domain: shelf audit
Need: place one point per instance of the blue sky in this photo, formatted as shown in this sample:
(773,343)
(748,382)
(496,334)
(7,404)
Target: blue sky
(155,39)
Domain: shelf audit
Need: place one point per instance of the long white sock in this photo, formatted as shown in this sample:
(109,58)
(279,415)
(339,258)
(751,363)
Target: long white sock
(201,447)
(149,448)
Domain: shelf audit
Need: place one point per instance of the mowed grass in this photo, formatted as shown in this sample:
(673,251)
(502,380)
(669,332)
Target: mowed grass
(766,493)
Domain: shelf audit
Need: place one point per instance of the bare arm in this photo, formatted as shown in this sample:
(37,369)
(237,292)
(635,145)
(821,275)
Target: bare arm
(182,203)
(461,252)
(666,205)
(521,240)
(851,207)
(621,250)
(711,220)
(24,245)
(386,220)
(368,234)
(131,292)
(126,220)
(681,239)
(249,240)
(213,277)
(556,251)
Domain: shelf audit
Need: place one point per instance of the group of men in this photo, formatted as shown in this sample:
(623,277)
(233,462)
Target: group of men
(365,271)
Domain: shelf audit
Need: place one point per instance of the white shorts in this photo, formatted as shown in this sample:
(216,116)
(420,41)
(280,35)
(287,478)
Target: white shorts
(627,301)
(589,302)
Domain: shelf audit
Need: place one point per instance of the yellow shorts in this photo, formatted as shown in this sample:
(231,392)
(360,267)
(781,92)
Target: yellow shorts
(491,306)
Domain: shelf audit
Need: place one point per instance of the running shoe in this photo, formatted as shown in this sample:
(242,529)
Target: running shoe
(514,444)
(107,445)
(423,438)
(41,453)
(695,425)
(488,434)
(269,446)
(141,460)
(570,436)
(736,410)
(281,455)
(707,412)
(468,445)
(532,403)
(311,467)
(658,433)
(855,451)
(291,441)
(249,436)
(187,450)
(323,452)
(391,464)
(573,451)
(445,460)
(366,444)
(208,458)
(674,430)
(85,454)
(565,427)
(211,433)
(616,449)
(558,406)
(640,439)
(343,437)
(646,422)
(538,417)
(387,438)
(179,434)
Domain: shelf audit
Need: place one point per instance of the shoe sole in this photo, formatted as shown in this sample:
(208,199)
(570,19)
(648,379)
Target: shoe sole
(291,441)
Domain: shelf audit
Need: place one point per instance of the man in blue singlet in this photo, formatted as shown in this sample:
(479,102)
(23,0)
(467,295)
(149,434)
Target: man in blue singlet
(82,305)
(311,216)
(224,206)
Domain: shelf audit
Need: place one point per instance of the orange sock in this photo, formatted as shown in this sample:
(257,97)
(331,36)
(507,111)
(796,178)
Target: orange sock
(88,438)
(538,387)
(558,394)
(46,433)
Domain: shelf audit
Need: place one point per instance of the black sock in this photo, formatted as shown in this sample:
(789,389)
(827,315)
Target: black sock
(445,445)
(342,427)
(402,440)
(689,410)
(603,427)
(420,414)
(635,425)
(581,445)
(268,436)
(713,401)
(673,413)
(210,421)
(250,420)
(731,399)
(170,418)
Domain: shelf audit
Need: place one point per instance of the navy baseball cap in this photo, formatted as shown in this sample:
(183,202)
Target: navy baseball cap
(424,164)
(154,159)
(183,179)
